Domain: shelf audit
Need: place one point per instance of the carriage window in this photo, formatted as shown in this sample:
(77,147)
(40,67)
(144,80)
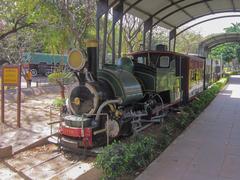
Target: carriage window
(141,60)
(164,62)
(193,75)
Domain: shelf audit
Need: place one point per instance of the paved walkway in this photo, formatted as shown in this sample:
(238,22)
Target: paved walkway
(209,149)
(35,114)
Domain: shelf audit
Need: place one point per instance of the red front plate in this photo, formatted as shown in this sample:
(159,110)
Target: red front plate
(75,132)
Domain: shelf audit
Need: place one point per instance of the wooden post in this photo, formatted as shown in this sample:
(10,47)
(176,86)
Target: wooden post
(2,99)
(19,98)
(11,78)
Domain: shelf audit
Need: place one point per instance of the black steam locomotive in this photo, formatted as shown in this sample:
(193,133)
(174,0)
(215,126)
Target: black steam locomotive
(120,99)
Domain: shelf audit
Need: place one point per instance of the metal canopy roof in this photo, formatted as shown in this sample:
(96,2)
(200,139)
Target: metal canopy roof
(172,14)
(213,41)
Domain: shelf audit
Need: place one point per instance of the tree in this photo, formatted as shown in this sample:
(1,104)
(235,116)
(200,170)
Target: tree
(77,17)
(18,15)
(159,36)
(60,78)
(188,41)
(234,28)
(228,51)
(132,27)
(21,24)
(44,26)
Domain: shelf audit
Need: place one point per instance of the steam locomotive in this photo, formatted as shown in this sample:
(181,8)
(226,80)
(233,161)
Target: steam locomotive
(120,99)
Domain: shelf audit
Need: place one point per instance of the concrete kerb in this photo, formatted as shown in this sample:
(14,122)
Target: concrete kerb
(6,152)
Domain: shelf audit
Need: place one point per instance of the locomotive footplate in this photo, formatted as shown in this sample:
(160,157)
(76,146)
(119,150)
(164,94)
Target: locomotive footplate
(69,143)
(74,146)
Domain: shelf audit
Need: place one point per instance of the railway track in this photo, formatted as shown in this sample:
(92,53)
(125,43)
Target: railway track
(44,162)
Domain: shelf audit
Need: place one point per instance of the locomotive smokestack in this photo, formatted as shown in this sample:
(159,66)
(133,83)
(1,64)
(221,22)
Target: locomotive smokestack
(92,57)
(161,47)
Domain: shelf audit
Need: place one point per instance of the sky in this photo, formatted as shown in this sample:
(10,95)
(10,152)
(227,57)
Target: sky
(214,26)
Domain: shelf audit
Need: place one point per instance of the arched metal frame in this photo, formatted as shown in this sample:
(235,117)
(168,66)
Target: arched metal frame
(206,45)
(117,6)
(220,17)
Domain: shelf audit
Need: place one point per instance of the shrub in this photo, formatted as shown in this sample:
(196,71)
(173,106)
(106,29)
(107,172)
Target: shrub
(58,102)
(142,152)
(112,160)
(183,120)
(118,158)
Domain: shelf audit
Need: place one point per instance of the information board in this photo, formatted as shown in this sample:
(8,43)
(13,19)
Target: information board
(10,75)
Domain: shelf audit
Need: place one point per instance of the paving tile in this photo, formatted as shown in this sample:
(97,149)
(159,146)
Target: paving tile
(169,168)
(231,167)
(235,133)
(233,150)
(224,178)
(187,149)
(198,176)
(207,162)
(234,141)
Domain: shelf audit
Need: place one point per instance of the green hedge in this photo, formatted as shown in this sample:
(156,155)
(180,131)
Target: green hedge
(119,158)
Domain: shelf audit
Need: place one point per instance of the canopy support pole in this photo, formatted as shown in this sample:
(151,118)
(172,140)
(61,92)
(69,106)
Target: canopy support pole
(147,27)
(117,15)
(102,9)
(172,38)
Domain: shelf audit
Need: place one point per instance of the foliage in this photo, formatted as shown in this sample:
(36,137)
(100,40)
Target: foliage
(44,26)
(76,20)
(64,77)
(60,77)
(118,158)
(188,41)
(132,29)
(19,22)
(159,36)
(235,27)
(227,51)
(58,102)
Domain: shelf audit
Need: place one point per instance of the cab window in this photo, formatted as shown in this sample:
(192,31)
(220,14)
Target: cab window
(164,61)
(140,60)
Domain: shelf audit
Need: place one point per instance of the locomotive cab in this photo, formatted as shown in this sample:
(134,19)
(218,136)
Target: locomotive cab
(158,72)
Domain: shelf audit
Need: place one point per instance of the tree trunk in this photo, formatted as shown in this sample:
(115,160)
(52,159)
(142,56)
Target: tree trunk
(62,88)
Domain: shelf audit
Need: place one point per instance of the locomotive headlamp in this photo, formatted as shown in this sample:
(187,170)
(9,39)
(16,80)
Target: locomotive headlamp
(77,101)
(76,60)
